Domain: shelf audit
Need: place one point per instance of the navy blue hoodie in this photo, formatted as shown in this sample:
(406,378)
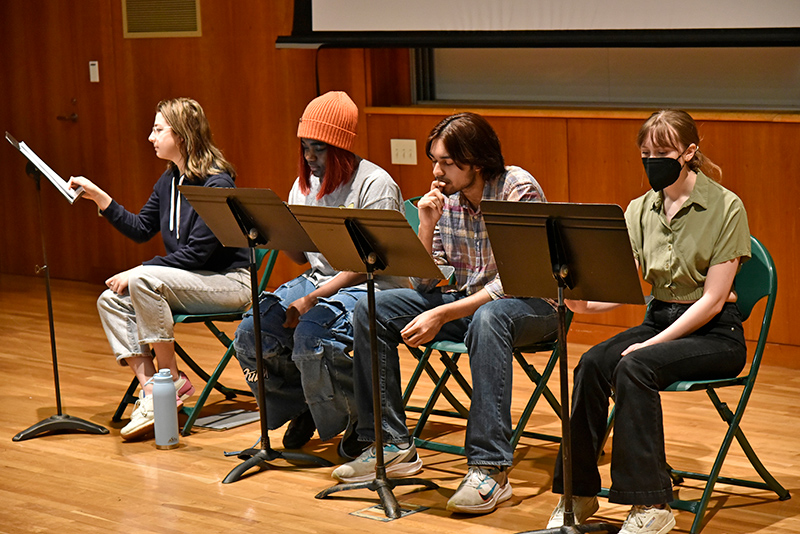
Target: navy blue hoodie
(190,244)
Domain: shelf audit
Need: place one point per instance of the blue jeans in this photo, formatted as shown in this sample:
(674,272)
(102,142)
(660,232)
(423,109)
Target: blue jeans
(489,334)
(638,460)
(305,368)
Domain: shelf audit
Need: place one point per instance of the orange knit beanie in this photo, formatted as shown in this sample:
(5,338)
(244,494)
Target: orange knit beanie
(330,118)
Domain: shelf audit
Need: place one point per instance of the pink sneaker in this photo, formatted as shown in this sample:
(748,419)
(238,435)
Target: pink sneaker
(183,389)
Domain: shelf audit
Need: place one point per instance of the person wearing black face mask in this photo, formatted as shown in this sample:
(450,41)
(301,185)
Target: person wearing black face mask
(689,235)
(663,172)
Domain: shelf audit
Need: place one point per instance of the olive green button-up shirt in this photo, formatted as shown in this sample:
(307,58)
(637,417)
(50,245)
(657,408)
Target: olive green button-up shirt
(710,228)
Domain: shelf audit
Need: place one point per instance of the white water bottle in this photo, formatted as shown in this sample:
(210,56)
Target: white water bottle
(165,410)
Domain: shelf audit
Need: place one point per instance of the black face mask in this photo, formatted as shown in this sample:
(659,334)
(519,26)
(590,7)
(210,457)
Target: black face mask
(662,172)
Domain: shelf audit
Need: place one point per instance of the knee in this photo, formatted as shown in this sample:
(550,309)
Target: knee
(487,320)
(139,282)
(105,301)
(308,339)
(591,365)
(632,371)
(245,329)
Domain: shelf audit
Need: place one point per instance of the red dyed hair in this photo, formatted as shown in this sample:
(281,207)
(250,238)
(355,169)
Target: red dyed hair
(339,168)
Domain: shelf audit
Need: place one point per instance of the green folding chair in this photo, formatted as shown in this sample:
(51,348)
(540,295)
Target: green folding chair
(449,354)
(211,380)
(756,279)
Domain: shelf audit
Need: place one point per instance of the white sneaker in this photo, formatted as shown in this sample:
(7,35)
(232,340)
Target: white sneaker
(397,461)
(582,507)
(648,520)
(142,418)
(481,491)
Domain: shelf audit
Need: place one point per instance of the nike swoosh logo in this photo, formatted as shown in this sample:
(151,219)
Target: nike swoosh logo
(487,496)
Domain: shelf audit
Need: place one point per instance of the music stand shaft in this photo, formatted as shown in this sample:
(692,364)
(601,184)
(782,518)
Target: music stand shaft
(382,241)
(579,238)
(59,421)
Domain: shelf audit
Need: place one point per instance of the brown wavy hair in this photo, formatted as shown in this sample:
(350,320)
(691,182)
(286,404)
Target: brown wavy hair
(676,129)
(470,141)
(188,121)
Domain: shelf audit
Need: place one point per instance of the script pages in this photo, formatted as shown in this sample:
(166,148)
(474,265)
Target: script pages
(62,185)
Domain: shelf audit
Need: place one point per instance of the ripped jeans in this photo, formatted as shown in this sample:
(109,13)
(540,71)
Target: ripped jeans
(307,367)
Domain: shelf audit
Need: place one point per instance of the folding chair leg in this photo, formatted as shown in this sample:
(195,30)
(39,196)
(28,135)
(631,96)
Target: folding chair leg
(229,393)
(428,410)
(127,398)
(541,389)
(423,358)
(211,384)
(451,369)
(734,431)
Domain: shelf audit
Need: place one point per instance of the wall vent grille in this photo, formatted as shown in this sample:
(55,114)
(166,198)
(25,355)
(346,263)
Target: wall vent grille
(160,18)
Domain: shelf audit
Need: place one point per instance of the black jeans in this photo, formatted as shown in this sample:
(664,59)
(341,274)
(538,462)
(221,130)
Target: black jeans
(638,461)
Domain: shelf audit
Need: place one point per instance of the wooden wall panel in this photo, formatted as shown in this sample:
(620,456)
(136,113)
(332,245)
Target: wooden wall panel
(536,144)
(46,48)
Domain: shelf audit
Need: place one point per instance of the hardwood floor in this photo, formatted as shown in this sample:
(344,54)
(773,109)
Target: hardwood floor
(77,482)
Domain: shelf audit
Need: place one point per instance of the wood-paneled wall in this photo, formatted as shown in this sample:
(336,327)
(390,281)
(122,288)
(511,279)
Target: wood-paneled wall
(253,95)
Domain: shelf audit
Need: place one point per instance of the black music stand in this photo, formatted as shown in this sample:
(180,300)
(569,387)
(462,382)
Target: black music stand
(367,241)
(590,258)
(60,422)
(253,218)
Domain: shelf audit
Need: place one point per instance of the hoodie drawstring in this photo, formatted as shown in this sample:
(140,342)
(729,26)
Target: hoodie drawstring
(175,208)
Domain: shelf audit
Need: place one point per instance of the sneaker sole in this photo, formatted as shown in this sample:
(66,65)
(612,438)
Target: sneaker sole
(401,469)
(138,432)
(503,495)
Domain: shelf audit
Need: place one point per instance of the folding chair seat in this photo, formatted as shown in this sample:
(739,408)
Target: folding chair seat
(211,380)
(756,279)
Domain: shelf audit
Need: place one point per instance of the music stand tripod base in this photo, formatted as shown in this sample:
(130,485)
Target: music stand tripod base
(383,487)
(260,458)
(59,423)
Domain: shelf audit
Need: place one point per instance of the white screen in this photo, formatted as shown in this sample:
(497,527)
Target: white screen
(503,15)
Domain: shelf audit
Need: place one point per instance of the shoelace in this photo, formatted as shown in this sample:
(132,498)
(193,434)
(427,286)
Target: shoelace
(477,477)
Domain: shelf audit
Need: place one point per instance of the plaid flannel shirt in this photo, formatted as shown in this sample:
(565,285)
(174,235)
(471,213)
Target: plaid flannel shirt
(460,238)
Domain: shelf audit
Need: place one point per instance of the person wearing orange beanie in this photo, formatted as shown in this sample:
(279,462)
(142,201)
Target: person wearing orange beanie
(307,335)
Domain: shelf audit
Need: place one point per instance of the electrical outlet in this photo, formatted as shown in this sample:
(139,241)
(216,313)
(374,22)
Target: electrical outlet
(404,151)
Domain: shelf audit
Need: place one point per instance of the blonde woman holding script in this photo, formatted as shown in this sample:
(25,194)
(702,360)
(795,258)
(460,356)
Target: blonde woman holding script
(196,275)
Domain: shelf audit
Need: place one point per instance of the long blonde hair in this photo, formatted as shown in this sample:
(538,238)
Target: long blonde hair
(188,121)
(676,128)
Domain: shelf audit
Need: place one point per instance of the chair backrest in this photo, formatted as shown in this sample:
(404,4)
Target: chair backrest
(270,255)
(412,215)
(757,279)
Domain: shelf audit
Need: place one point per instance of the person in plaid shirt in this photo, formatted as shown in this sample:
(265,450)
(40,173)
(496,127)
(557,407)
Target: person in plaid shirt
(468,167)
